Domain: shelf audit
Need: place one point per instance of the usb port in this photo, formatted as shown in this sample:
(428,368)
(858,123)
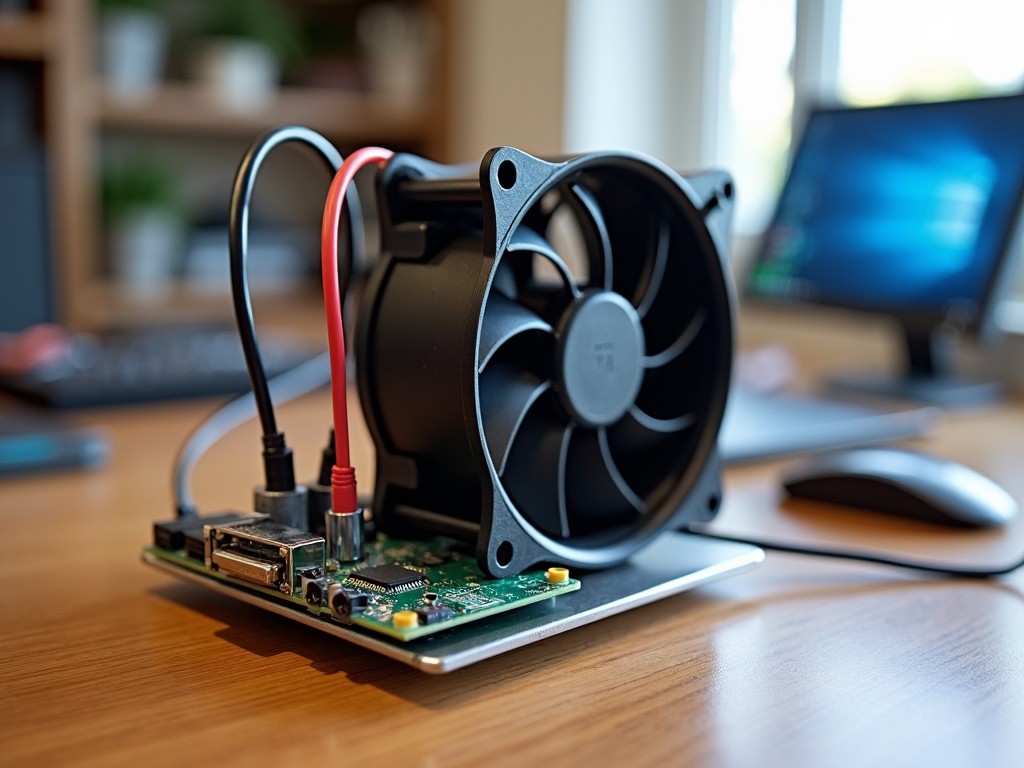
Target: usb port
(263,552)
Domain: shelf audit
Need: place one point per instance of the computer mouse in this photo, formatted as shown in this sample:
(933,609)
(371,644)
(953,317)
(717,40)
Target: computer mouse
(903,482)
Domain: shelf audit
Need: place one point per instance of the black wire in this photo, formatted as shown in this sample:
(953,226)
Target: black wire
(238,241)
(867,557)
(277,457)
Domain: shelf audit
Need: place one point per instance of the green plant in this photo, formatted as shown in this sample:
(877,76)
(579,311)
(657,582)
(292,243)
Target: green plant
(265,21)
(141,180)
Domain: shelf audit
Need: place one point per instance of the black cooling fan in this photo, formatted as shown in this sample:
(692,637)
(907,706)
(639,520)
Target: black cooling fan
(544,354)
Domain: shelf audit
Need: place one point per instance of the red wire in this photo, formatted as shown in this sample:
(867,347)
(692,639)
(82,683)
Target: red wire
(343,475)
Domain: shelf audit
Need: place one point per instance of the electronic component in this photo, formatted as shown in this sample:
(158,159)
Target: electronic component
(557,575)
(287,507)
(557,416)
(650,250)
(344,533)
(405,619)
(388,579)
(313,585)
(344,602)
(171,534)
(471,599)
(195,543)
(368,594)
(432,614)
(263,552)
(315,590)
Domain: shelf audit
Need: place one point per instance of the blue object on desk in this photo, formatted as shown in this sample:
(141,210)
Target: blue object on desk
(32,442)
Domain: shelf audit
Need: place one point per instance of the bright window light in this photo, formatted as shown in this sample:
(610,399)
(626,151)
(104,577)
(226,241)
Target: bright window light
(929,49)
(755,139)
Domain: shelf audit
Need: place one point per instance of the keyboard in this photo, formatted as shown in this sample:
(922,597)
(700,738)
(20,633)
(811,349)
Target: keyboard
(760,426)
(150,365)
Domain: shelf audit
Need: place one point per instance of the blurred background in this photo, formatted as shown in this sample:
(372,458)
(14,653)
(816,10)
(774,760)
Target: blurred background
(134,113)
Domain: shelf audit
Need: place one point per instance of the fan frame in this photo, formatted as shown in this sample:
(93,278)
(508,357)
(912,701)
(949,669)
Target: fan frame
(509,184)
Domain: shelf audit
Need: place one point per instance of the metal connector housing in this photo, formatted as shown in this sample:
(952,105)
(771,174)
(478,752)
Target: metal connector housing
(285,507)
(263,552)
(344,534)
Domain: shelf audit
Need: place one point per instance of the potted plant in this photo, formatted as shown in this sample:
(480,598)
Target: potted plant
(245,45)
(133,46)
(145,218)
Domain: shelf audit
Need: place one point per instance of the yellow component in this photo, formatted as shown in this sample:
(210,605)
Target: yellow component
(406,619)
(557,575)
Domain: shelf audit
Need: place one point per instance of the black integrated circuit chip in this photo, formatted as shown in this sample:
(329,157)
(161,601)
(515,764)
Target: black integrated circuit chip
(388,579)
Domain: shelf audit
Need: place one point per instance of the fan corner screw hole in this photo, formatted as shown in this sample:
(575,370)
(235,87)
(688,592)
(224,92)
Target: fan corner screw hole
(503,554)
(507,174)
(728,190)
(714,502)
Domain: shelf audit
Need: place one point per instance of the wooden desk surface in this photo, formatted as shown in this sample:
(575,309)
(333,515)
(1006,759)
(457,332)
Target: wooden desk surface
(799,662)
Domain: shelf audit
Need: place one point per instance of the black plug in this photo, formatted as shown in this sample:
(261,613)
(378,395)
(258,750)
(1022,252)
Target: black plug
(319,500)
(281,498)
(278,464)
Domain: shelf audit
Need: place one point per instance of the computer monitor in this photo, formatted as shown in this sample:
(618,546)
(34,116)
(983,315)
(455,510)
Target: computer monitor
(912,211)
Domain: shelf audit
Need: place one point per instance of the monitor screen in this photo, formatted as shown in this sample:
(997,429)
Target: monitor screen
(26,284)
(906,210)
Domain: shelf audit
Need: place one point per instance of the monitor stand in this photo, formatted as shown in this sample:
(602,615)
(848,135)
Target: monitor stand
(928,376)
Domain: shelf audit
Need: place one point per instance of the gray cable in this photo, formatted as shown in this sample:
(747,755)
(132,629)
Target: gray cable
(287,386)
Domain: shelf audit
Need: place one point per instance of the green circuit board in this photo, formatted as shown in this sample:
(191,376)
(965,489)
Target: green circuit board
(403,589)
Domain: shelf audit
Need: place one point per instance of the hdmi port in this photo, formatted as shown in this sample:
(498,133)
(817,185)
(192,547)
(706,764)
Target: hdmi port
(243,566)
(263,552)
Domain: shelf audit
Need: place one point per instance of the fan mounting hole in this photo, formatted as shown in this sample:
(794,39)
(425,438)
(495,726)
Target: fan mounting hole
(503,554)
(507,174)
(600,353)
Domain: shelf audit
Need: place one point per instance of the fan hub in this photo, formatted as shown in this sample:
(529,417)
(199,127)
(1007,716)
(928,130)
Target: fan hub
(600,358)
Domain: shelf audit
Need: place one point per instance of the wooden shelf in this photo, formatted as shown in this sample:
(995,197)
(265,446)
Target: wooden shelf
(116,305)
(24,36)
(81,118)
(187,108)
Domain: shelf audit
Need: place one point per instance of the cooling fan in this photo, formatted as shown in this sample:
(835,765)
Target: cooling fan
(544,353)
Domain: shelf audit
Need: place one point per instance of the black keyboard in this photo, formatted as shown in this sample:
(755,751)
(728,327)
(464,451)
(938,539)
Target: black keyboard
(150,365)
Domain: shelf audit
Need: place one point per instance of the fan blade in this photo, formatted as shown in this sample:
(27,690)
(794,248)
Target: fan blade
(647,450)
(662,426)
(535,472)
(678,346)
(526,240)
(638,434)
(587,205)
(596,492)
(504,319)
(506,395)
(657,273)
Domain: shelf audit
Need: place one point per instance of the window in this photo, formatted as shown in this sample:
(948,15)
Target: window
(756,136)
(859,52)
(929,49)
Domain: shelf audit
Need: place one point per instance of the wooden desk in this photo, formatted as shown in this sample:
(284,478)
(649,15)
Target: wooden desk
(799,662)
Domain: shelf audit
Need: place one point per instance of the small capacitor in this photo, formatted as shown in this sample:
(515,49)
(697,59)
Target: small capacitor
(557,575)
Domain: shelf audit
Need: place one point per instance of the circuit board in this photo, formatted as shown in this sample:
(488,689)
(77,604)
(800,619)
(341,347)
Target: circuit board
(402,589)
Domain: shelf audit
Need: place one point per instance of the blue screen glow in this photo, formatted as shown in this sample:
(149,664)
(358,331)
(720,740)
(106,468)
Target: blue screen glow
(900,208)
